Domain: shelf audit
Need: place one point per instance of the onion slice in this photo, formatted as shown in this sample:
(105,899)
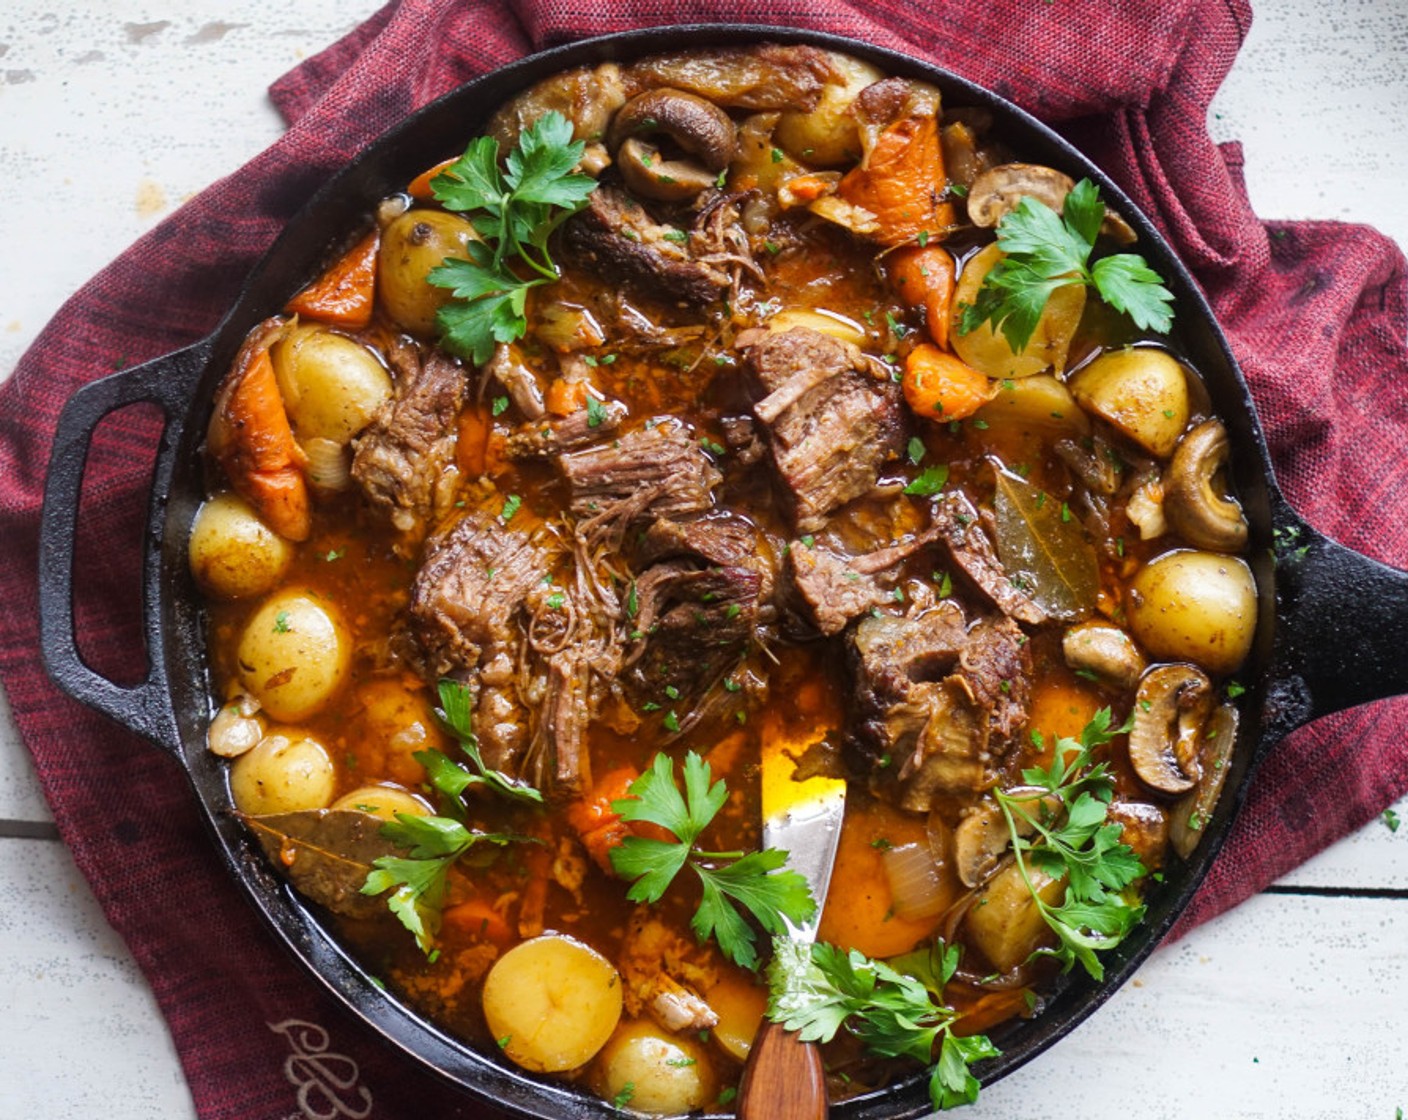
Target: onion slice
(916,884)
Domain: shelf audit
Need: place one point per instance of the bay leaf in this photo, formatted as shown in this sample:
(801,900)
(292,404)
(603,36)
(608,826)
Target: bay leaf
(1045,549)
(326,854)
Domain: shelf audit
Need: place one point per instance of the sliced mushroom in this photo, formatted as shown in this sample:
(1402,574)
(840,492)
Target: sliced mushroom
(982,837)
(699,128)
(1196,509)
(1105,651)
(999,189)
(1188,819)
(1171,709)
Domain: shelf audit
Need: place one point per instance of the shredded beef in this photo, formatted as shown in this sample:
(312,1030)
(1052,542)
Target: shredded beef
(404,459)
(615,238)
(543,439)
(831,422)
(959,528)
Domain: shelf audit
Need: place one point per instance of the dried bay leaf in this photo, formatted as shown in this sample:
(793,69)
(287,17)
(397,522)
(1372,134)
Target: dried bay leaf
(326,854)
(1045,549)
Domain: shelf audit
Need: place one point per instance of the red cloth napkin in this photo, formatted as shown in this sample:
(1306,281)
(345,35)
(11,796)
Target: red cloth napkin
(1315,311)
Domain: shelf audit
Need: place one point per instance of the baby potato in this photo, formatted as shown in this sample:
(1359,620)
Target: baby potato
(669,1074)
(1035,404)
(286,772)
(412,245)
(294,655)
(1195,606)
(397,721)
(1005,924)
(986,350)
(828,136)
(382,801)
(552,1003)
(233,554)
(1142,391)
(331,385)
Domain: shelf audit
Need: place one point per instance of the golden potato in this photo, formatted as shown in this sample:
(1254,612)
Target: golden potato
(1005,923)
(383,801)
(412,245)
(294,655)
(233,554)
(1142,391)
(331,386)
(1195,606)
(552,1003)
(828,136)
(987,351)
(286,772)
(1035,404)
(668,1074)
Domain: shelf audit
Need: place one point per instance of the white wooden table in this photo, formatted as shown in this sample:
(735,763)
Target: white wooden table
(111,114)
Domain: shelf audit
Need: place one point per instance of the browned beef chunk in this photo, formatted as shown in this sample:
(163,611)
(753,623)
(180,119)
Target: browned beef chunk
(772,76)
(721,538)
(404,460)
(542,439)
(831,423)
(693,626)
(466,597)
(655,471)
(934,701)
(615,238)
(838,588)
(959,528)
(741,435)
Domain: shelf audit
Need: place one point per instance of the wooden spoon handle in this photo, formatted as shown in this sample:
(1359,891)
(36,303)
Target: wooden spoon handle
(783,1080)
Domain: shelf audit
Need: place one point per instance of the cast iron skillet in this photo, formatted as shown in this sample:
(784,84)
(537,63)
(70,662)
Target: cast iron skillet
(1328,636)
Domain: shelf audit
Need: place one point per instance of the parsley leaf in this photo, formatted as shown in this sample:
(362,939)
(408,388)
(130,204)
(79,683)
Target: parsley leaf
(515,211)
(894,1009)
(1044,251)
(1064,833)
(417,881)
(734,884)
(596,412)
(930,481)
(453,778)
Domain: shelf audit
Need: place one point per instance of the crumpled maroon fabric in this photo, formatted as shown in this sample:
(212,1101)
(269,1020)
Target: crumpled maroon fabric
(1315,312)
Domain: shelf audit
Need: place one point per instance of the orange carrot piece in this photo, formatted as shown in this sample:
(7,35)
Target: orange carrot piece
(923,277)
(940,387)
(567,395)
(345,294)
(419,187)
(476,920)
(901,181)
(251,439)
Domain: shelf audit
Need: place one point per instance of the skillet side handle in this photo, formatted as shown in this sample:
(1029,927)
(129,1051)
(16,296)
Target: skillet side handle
(1343,638)
(168,382)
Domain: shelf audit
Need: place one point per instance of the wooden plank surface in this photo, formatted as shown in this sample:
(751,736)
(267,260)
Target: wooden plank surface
(109,119)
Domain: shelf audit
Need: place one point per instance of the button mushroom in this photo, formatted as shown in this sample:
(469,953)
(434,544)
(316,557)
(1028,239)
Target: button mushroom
(1198,511)
(1189,817)
(982,837)
(1172,705)
(1105,651)
(699,128)
(1000,189)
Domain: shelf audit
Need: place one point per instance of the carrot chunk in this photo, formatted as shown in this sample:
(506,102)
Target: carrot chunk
(940,387)
(344,295)
(419,187)
(923,277)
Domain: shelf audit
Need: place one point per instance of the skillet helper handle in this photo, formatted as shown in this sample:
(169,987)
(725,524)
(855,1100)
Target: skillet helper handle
(1343,638)
(784,1079)
(168,381)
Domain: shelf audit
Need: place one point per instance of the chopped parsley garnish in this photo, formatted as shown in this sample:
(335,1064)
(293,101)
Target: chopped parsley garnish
(596,412)
(515,211)
(734,884)
(281,625)
(915,450)
(1045,251)
(499,406)
(930,481)
(511,505)
(894,1009)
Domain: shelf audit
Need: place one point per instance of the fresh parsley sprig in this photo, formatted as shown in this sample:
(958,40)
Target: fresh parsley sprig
(734,883)
(453,778)
(894,1009)
(1076,840)
(1044,251)
(515,211)
(417,881)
